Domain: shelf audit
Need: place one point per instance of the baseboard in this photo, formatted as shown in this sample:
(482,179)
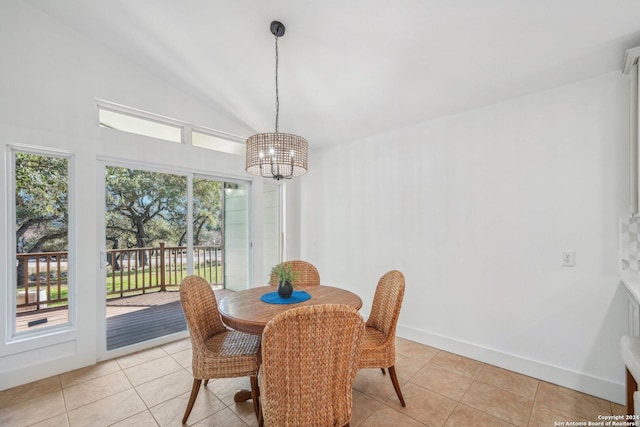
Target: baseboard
(578,381)
(22,368)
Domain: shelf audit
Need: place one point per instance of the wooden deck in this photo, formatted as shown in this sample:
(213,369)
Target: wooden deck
(130,320)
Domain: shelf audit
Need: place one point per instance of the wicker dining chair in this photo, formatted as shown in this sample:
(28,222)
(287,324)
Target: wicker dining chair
(309,361)
(378,345)
(217,352)
(307,274)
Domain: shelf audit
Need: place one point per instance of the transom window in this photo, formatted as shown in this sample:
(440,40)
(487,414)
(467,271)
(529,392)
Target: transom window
(126,119)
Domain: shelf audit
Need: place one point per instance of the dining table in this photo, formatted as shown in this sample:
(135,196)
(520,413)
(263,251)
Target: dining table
(246,311)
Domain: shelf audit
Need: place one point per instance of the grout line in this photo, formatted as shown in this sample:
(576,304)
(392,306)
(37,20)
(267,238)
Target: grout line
(367,416)
(451,413)
(535,398)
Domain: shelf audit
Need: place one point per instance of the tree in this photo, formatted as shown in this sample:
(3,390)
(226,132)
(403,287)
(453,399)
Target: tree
(144,207)
(42,196)
(207,210)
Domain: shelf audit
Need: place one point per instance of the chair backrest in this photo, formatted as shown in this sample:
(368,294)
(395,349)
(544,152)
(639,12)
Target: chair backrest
(201,310)
(386,303)
(309,362)
(307,273)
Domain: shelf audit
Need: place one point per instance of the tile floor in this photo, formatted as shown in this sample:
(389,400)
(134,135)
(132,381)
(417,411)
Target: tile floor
(151,388)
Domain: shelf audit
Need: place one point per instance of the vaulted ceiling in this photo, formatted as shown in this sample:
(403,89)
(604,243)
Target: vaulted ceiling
(353,68)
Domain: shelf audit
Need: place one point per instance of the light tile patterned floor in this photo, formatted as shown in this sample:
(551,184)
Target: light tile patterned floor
(151,388)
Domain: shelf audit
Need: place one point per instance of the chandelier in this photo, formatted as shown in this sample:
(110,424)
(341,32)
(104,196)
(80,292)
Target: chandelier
(277,155)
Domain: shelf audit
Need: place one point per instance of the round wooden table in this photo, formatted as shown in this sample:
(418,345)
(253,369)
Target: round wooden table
(244,311)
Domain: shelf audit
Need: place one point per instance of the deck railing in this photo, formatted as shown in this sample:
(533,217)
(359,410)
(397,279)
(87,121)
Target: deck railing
(43,277)
(44,280)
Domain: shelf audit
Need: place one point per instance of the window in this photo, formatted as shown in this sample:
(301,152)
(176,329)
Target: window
(41,226)
(127,122)
(140,122)
(228,144)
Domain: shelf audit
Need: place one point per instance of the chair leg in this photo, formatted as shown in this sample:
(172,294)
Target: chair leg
(206,382)
(632,387)
(254,396)
(260,416)
(394,380)
(383,371)
(192,399)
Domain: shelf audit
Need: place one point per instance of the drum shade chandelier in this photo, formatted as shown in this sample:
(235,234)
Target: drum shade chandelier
(274,154)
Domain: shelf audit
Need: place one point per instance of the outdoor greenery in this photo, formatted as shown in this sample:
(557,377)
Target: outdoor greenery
(41,203)
(143,209)
(126,284)
(41,199)
(149,278)
(54,295)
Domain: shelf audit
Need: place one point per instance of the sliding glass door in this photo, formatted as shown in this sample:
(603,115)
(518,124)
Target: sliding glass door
(146,229)
(159,228)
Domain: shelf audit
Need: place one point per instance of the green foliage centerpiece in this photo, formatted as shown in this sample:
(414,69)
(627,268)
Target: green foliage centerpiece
(286,277)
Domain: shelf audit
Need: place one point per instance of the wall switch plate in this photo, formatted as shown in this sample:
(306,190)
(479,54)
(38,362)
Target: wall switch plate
(568,259)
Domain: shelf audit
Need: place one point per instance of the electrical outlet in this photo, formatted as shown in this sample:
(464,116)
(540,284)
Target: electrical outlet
(568,259)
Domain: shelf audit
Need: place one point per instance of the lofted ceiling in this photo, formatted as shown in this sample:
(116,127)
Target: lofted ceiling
(350,69)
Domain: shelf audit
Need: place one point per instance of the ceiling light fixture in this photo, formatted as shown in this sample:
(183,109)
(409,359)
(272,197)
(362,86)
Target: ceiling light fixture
(274,154)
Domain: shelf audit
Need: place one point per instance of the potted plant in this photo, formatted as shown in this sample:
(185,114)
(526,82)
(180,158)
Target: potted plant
(285,277)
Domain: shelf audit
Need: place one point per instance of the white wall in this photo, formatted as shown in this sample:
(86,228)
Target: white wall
(475,209)
(49,79)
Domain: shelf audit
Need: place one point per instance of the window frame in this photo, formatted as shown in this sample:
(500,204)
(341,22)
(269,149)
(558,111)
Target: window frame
(25,340)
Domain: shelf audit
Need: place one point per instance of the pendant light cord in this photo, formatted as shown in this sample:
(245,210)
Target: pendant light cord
(273,154)
(277,95)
